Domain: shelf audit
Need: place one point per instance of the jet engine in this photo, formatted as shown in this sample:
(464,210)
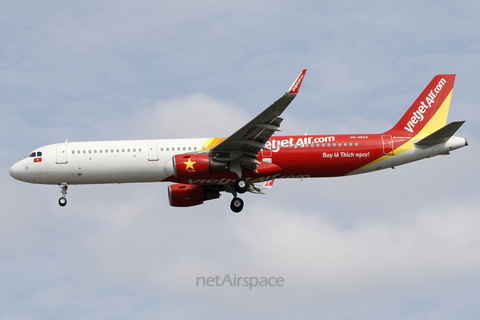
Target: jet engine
(192,165)
(188,195)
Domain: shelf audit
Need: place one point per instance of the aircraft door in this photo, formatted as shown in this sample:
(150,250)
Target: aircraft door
(266,153)
(61,153)
(387,145)
(152,151)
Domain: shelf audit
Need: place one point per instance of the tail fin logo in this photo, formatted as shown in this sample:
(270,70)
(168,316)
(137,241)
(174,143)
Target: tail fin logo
(424,105)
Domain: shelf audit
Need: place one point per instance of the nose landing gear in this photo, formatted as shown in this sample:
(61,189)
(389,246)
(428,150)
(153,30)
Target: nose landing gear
(63,200)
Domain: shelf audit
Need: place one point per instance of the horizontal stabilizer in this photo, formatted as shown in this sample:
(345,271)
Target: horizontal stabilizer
(441,135)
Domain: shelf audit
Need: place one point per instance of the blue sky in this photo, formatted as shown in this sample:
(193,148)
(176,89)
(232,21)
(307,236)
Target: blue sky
(397,244)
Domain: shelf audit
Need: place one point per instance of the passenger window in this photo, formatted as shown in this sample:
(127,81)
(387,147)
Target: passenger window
(73,152)
(134,150)
(139,150)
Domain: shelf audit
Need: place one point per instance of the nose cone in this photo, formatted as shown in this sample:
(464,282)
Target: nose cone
(15,171)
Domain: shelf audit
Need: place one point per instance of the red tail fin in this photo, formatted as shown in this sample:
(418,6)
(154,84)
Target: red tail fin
(429,112)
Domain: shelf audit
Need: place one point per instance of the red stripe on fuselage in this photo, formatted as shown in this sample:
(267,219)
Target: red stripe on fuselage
(309,156)
(337,156)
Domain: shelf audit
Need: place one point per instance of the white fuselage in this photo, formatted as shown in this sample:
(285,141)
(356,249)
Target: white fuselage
(103,161)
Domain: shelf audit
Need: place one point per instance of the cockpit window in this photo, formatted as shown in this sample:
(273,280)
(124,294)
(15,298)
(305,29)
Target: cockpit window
(35,154)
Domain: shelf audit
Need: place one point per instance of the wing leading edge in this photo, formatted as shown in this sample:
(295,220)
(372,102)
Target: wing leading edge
(242,147)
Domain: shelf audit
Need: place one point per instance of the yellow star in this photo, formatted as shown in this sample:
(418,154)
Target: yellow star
(190,164)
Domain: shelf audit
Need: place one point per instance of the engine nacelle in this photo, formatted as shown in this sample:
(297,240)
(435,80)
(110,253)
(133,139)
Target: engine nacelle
(188,195)
(192,165)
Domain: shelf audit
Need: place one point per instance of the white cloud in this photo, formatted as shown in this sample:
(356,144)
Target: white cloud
(195,115)
(142,245)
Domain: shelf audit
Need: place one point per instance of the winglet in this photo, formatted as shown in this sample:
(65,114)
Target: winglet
(296,85)
(268,184)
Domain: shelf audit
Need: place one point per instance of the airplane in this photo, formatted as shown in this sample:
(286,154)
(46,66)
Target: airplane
(252,158)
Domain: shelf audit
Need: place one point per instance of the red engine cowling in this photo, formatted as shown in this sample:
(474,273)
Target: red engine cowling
(192,165)
(185,195)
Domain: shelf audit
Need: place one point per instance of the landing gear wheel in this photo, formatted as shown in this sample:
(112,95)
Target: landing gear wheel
(64,190)
(241,185)
(236,205)
(62,201)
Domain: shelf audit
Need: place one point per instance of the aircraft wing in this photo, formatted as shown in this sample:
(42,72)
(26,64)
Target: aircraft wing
(242,147)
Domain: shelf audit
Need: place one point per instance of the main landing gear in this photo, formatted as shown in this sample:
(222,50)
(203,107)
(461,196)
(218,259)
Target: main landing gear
(63,200)
(236,205)
(241,186)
